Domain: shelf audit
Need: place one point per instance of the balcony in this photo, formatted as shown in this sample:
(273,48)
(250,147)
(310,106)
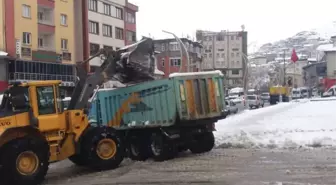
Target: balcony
(46,41)
(45,16)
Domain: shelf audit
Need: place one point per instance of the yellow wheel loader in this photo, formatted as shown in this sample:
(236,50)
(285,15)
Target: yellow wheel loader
(36,129)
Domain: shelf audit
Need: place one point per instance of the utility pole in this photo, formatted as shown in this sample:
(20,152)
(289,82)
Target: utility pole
(284,68)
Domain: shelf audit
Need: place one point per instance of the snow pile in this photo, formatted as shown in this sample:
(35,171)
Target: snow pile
(286,125)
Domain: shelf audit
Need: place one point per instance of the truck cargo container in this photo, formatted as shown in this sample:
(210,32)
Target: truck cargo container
(159,118)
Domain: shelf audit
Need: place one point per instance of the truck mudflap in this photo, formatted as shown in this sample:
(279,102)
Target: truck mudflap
(175,133)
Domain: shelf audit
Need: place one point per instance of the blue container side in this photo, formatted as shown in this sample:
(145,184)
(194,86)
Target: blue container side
(156,105)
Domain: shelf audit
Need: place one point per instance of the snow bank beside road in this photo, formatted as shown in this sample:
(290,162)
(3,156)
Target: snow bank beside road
(286,125)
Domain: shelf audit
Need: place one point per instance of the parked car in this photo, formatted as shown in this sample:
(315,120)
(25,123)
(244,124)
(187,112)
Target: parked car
(254,101)
(231,106)
(265,96)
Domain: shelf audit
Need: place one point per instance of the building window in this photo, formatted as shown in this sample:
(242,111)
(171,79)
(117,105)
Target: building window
(205,55)
(217,55)
(163,47)
(26,11)
(131,36)
(232,54)
(107,30)
(40,42)
(93,5)
(163,62)
(119,13)
(64,44)
(174,46)
(40,16)
(210,55)
(130,17)
(237,54)
(94,48)
(26,38)
(108,47)
(107,9)
(235,71)
(175,62)
(64,19)
(119,33)
(223,55)
(94,27)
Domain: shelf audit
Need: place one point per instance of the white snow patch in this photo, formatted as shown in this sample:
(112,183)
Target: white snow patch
(286,125)
(2,53)
(196,73)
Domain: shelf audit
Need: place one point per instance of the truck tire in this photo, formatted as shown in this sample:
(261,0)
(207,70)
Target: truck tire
(24,161)
(138,149)
(203,143)
(161,148)
(103,149)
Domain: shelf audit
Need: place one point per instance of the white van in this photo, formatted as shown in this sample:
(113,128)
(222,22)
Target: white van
(304,92)
(296,94)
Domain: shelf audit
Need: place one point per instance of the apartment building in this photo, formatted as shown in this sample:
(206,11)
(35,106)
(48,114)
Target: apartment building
(225,51)
(111,25)
(39,37)
(130,23)
(169,59)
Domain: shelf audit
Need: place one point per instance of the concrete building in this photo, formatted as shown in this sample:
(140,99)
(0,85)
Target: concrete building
(169,59)
(295,71)
(111,25)
(313,73)
(39,37)
(225,51)
(130,23)
(259,60)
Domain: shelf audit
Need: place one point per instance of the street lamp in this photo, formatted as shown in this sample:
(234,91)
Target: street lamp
(181,52)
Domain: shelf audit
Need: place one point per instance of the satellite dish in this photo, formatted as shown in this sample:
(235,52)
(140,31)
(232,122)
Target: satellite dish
(243,27)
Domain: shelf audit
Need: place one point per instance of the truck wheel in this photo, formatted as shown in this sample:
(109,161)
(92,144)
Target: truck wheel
(161,149)
(103,149)
(138,150)
(203,143)
(25,161)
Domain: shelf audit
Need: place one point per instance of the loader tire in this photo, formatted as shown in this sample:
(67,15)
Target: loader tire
(202,143)
(161,148)
(24,161)
(78,159)
(103,149)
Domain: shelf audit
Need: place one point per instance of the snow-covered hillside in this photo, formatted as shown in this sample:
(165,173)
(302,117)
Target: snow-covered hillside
(305,43)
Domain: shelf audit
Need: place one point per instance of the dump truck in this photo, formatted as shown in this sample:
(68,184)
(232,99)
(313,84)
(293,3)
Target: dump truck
(277,92)
(160,118)
(36,129)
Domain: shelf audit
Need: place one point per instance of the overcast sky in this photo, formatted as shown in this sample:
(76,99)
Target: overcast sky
(265,20)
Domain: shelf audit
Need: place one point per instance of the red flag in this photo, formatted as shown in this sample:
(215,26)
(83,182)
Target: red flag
(294,56)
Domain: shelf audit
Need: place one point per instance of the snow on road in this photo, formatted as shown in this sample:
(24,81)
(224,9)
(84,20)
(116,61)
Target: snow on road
(303,123)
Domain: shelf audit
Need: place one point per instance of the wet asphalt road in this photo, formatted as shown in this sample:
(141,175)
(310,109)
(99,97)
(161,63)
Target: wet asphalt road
(218,167)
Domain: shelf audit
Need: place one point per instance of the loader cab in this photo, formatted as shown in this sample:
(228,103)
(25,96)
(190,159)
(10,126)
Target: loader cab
(15,100)
(41,99)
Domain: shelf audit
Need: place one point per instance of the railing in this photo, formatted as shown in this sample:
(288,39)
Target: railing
(36,76)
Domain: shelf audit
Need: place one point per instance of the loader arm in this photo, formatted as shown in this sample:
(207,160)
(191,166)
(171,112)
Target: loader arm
(129,64)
